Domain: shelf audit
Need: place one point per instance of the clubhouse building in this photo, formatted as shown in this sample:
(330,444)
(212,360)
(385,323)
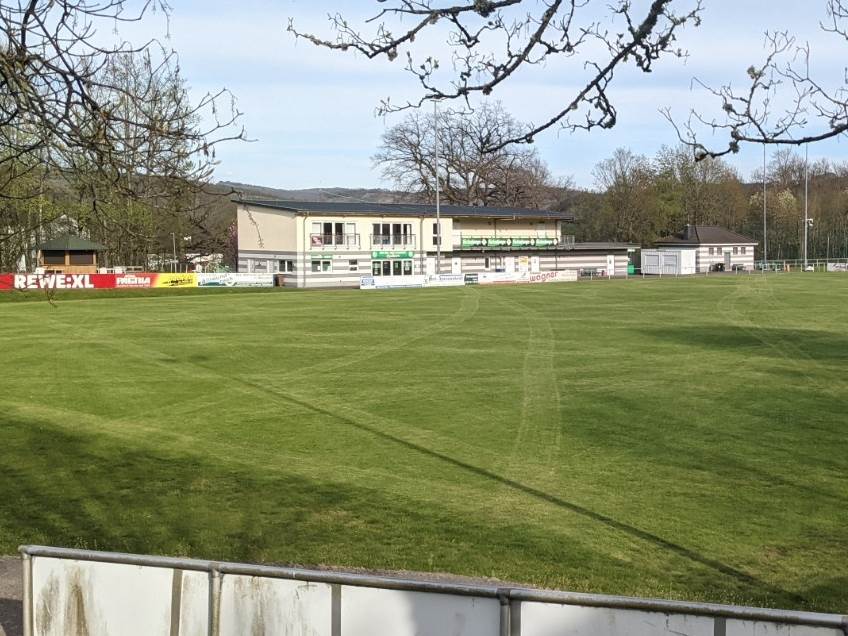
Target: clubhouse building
(333,244)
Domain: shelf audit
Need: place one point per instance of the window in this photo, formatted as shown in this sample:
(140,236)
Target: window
(353,265)
(86,258)
(322,266)
(712,251)
(52,257)
(437,238)
(487,263)
(743,248)
(735,250)
(285,266)
(391,268)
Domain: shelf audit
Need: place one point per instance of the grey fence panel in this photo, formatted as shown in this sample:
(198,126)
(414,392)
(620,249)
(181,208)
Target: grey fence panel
(101,593)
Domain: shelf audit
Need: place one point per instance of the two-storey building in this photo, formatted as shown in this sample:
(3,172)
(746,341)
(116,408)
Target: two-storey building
(318,244)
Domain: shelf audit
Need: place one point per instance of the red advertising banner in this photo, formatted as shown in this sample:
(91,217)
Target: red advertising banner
(57,281)
(96,281)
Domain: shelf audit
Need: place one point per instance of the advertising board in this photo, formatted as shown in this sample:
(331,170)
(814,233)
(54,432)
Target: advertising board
(235,279)
(391,282)
(95,281)
(446,280)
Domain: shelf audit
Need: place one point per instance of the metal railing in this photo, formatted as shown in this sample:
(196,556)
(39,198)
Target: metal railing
(334,240)
(477,242)
(515,605)
(393,240)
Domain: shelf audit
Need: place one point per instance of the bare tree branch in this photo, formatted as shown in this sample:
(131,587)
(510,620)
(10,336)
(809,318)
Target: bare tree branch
(492,41)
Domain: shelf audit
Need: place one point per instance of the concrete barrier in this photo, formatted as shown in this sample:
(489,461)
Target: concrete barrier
(99,593)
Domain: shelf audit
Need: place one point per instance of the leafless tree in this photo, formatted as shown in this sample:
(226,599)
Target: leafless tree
(57,102)
(491,40)
(469,174)
(782,105)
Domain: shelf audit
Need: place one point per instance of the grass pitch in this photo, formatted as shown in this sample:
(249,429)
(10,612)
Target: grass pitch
(676,438)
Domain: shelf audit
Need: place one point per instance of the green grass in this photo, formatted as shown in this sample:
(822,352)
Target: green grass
(673,438)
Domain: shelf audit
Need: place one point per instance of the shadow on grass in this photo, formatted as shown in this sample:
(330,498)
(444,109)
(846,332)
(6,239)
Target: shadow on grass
(801,344)
(87,491)
(739,576)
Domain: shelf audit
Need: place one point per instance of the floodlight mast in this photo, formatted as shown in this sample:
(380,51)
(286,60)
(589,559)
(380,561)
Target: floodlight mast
(436,174)
(765,223)
(806,199)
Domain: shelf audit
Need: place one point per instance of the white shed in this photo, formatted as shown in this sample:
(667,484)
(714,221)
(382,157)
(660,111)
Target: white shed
(668,262)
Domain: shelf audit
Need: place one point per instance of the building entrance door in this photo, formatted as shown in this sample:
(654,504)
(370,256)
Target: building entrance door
(727,261)
(456,265)
(610,265)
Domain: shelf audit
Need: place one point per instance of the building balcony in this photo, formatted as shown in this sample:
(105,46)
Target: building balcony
(334,241)
(393,241)
(486,243)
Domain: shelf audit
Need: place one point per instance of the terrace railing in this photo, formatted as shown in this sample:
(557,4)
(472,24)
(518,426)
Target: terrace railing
(393,240)
(343,241)
(476,242)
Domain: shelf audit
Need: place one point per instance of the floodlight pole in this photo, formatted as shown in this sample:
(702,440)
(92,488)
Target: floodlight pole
(806,199)
(438,207)
(765,223)
(174,242)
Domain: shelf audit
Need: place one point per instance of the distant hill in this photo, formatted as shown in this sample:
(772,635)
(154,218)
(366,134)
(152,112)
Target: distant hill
(353,195)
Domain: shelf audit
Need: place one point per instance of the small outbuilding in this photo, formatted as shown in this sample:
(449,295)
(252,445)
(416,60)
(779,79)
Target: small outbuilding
(69,255)
(714,248)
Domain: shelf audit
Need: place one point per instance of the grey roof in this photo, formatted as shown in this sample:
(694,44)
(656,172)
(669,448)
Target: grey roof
(605,245)
(71,243)
(408,209)
(705,234)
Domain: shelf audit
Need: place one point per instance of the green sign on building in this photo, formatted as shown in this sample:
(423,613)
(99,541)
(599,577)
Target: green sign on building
(378,255)
(515,241)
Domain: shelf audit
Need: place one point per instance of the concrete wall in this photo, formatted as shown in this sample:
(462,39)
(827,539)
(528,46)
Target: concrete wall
(100,594)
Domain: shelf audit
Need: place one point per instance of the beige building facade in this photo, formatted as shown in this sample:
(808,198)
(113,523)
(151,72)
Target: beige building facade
(335,244)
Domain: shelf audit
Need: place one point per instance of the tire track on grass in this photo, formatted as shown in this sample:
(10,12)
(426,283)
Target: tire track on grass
(341,413)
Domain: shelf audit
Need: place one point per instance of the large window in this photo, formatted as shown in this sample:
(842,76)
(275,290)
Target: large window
(328,233)
(285,266)
(391,268)
(322,266)
(743,248)
(391,233)
(52,257)
(437,238)
(735,250)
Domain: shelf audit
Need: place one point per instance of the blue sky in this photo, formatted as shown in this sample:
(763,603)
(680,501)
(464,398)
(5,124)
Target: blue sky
(311,112)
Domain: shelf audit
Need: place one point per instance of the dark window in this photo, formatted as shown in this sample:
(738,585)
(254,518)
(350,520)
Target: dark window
(407,268)
(743,249)
(82,258)
(353,265)
(316,266)
(396,268)
(437,239)
(387,268)
(52,257)
(286,266)
(735,250)
(486,263)
(376,268)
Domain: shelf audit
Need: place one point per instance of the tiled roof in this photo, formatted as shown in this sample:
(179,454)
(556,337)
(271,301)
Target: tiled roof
(71,243)
(705,235)
(408,209)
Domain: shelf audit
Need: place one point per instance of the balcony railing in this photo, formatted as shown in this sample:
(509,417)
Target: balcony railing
(467,242)
(334,240)
(393,240)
